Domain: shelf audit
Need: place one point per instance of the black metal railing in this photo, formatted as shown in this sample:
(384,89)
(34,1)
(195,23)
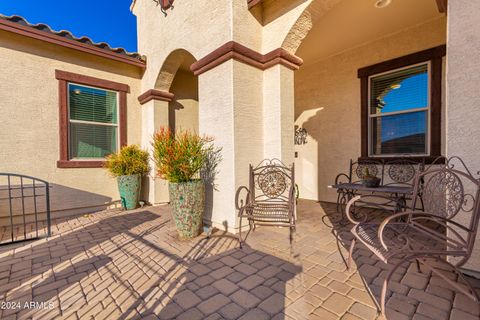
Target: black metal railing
(24,208)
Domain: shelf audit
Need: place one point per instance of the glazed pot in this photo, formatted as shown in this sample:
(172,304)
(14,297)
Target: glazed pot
(188,204)
(371,181)
(129,188)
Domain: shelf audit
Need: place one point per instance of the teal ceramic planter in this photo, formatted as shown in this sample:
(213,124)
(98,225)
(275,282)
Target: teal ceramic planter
(188,203)
(129,189)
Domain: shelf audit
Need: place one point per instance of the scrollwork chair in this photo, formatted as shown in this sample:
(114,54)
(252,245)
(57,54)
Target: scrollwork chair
(444,233)
(356,173)
(270,198)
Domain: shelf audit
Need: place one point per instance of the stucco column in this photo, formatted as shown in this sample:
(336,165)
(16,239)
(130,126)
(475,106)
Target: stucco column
(154,116)
(230,100)
(278,113)
(463,86)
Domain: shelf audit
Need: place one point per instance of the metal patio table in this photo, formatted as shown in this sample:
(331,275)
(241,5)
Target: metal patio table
(394,196)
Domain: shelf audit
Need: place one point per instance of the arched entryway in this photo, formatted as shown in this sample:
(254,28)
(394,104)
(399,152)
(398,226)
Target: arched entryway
(176,78)
(173,103)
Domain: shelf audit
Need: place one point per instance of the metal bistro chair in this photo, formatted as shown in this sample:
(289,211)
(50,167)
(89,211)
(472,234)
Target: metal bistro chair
(444,233)
(270,197)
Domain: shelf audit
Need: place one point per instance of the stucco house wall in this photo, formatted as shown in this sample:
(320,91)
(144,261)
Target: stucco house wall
(29,109)
(327,104)
(463,98)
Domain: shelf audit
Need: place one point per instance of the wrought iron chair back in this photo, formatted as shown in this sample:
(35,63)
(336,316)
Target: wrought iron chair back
(272,181)
(452,193)
(359,169)
(402,172)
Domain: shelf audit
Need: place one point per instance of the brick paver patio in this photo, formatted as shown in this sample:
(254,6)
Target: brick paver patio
(124,265)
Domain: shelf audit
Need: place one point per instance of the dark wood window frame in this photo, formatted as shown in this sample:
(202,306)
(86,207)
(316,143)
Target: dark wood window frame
(434,56)
(64,78)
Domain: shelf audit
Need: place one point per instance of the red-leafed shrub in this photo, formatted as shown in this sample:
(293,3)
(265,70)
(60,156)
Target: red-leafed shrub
(179,157)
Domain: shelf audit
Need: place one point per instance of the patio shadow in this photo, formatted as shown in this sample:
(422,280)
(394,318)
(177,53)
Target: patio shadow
(40,270)
(408,288)
(233,284)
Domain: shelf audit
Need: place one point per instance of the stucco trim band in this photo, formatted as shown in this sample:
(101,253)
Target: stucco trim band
(154,94)
(234,50)
(68,43)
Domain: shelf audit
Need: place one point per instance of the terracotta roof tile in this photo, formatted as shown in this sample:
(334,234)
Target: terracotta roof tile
(68,35)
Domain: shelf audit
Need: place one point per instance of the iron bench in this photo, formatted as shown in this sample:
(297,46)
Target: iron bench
(396,181)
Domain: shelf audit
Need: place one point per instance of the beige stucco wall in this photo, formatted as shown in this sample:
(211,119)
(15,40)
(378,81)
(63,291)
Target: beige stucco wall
(327,104)
(463,87)
(29,108)
(183,109)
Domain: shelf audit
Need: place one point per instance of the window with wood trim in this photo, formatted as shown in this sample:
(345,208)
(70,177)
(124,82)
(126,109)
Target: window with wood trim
(401,106)
(92,119)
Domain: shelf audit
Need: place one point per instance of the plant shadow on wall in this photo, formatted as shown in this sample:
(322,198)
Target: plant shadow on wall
(208,174)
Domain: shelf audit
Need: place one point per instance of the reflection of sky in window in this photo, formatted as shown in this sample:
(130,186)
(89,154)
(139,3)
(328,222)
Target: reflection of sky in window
(82,89)
(412,94)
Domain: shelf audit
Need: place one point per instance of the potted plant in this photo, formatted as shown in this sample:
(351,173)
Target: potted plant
(128,166)
(370,180)
(179,159)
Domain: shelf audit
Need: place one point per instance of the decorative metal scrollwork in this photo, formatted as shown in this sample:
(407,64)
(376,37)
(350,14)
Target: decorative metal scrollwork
(443,194)
(468,203)
(401,172)
(164,5)
(272,182)
(300,135)
(361,170)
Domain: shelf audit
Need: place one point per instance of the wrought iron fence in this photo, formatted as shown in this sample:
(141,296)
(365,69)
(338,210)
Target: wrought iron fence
(24,208)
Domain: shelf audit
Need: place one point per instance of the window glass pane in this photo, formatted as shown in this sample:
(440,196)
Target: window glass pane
(399,91)
(89,104)
(92,141)
(399,134)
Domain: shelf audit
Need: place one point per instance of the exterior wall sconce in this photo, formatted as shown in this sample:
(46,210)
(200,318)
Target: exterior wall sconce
(300,135)
(164,5)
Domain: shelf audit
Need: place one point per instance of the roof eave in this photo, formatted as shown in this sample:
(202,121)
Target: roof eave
(68,43)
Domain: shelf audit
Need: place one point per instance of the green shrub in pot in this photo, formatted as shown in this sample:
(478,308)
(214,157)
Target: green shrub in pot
(128,166)
(179,159)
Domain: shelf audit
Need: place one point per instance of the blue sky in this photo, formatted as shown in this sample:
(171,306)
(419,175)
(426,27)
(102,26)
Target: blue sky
(412,94)
(102,20)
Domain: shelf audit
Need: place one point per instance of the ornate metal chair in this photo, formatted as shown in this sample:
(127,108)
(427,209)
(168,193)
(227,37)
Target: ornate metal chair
(444,233)
(356,173)
(270,197)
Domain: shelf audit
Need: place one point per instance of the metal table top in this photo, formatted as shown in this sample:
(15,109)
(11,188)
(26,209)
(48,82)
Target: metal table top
(361,187)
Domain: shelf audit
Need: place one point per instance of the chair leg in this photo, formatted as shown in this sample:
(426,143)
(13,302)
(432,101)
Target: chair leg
(240,233)
(291,235)
(338,201)
(350,254)
(385,284)
(419,270)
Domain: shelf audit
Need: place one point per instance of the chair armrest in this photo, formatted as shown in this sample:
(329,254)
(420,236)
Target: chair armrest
(341,175)
(418,215)
(244,201)
(367,201)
